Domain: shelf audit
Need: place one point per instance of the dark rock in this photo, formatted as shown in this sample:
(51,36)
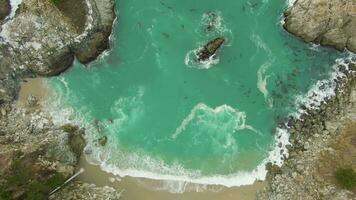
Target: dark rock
(77,142)
(210,49)
(95,45)
(273,170)
(103,140)
(4,9)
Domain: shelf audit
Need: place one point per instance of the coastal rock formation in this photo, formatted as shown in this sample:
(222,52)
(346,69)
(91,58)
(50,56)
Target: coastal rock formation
(210,49)
(84,191)
(97,39)
(48,39)
(321,142)
(35,156)
(4,9)
(325,22)
(42,39)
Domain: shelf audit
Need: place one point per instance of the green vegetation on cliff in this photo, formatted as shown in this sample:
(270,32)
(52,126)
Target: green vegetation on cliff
(34,186)
(56,2)
(346,178)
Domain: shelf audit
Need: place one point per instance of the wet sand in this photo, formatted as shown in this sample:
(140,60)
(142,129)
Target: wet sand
(143,189)
(32,86)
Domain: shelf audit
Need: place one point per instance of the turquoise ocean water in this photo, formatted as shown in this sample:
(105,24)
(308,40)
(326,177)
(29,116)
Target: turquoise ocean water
(167,117)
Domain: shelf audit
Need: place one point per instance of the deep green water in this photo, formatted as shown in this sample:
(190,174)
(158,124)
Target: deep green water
(164,114)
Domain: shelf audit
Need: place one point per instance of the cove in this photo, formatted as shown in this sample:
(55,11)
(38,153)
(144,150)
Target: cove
(167,117)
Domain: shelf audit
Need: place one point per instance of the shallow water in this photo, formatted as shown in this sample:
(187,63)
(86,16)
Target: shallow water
(167,116)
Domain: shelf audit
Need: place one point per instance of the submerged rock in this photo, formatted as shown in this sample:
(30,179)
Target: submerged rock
(103,140)
(4,9)
(210,49)
(325,22)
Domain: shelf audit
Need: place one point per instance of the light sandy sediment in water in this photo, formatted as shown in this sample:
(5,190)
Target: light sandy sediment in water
(143,189)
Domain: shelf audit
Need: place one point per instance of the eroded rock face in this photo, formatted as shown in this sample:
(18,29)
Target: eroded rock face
(321,142)
(44,38)
(4,9)
(48,39)
(328,22)
(210,49)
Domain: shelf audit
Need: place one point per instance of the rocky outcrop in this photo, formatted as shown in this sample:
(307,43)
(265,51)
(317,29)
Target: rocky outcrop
(48,40)
(35,155)
(4,9)
(84,191)
(210,49)
(97,39)
(325,22)
(50,37)
(318,148)
(42,39)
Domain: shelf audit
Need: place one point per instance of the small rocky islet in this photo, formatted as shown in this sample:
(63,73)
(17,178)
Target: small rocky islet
(35,156)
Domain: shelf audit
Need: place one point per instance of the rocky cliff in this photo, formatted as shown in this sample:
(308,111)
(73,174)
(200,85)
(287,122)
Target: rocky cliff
(325,22)
(42,39)
(322,139)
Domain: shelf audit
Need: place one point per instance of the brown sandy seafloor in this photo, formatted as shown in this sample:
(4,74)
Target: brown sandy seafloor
(137,188)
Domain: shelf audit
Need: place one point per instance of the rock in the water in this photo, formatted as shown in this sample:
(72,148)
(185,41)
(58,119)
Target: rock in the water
(4,9)
(103,140)
(328,22)
(210,49)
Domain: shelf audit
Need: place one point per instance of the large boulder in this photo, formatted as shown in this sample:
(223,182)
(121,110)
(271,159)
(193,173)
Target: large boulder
(210,49)
(325,22)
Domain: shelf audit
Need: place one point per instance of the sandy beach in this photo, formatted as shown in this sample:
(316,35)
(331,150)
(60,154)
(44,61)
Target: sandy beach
(143,189)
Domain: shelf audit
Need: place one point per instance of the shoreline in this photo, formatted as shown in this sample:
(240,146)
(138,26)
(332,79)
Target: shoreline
(310,136)
(311,128)
(132,187)
(141,188)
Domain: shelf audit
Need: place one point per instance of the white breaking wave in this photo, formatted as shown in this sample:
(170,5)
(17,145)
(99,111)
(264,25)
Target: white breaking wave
(198,112)
(14,6)
(290,3)
(191,60)
(322,90)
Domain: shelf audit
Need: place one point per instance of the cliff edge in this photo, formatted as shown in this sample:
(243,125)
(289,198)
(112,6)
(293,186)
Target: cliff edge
(325,22)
